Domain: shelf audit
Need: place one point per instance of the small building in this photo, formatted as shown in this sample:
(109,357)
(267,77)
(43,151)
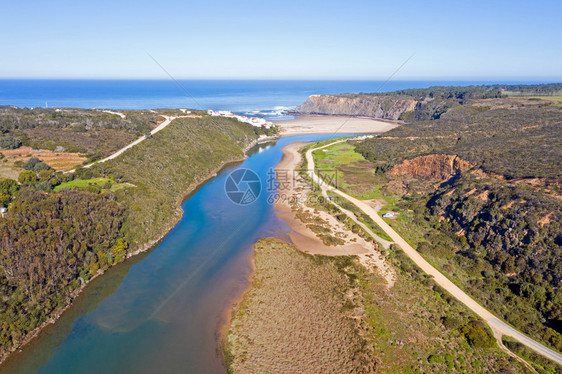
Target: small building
(3,210)
(388,215)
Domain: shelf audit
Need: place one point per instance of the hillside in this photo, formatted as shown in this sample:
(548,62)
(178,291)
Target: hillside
(363,105)
(63,229)
(426,103)
(417,104)
(91,132)
(477,192)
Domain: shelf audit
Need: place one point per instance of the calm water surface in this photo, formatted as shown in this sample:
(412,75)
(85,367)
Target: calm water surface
(159,312)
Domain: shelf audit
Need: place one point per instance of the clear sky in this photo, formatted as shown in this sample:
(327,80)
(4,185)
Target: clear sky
(489,40)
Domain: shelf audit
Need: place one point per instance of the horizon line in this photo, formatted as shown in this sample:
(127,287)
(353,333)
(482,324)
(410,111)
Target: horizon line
(435,79)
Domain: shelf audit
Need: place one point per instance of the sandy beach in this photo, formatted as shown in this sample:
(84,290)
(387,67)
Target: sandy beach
(306,240)
(332,124)
(303,237)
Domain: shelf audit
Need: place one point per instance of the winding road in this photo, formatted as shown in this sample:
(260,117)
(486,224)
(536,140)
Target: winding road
(498,327)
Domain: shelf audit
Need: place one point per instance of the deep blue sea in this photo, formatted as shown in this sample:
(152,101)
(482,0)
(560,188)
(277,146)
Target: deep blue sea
(269,97)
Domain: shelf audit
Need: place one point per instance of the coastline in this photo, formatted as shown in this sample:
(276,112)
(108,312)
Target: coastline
(193,188)
(226,317)
(301,237)
(328,124)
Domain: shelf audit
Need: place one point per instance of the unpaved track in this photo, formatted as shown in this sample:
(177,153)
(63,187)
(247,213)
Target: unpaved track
(131,145)
(498,327)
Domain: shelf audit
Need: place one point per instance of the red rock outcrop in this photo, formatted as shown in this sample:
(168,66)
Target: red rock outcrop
(435,166)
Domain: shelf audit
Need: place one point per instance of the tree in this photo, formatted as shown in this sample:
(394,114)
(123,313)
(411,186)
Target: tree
(8,189)
(41,166)
(30,164)
(8,142)
(27,178)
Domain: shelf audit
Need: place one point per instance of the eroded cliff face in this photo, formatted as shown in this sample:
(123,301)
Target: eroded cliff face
(383,107)
(436,166)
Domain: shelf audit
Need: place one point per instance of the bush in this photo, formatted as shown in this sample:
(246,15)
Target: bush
(8,142)
(30,164)
(477,334)
(8,189)
(27,178)
(41,166)
(44,186)
(451,323)
(435,359)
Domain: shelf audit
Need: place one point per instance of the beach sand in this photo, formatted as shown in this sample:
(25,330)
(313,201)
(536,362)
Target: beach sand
(303,237)
(332,124)
(306,240)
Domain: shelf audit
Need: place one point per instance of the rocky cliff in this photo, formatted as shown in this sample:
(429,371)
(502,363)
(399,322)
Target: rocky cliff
(383,107)
(431,166)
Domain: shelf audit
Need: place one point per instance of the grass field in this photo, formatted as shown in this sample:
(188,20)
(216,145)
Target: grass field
(348,169)
(84,183)
(556,100)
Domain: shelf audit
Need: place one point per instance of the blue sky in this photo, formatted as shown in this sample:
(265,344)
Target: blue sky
(326,39)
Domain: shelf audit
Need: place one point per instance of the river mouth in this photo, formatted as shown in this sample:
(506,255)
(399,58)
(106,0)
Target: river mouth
(160,311)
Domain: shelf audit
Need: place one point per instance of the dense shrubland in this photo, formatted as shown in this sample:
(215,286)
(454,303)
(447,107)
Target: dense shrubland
(495,228)
(63,228)
(50,243)
(88,131)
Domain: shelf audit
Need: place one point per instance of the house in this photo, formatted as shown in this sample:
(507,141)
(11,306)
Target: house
(388,215)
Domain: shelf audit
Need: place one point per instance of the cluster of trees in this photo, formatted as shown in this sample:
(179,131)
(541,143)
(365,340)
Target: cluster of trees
(9,142)
(52,242)
(495,228)
(463,93)
(549,89)
(88,131)
(520,142)
(49,244)
(8,190)
(163,167)
(13,119)
(511,241)
(459,93)
(37,175)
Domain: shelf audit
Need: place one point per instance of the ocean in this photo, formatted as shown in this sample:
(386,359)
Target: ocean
(267,98)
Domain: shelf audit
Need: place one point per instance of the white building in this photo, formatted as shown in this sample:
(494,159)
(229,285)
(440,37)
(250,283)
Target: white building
(254,121)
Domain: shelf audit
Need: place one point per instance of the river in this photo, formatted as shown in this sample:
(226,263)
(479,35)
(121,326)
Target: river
(160,311)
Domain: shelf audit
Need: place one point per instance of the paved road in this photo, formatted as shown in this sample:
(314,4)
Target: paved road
(498,327)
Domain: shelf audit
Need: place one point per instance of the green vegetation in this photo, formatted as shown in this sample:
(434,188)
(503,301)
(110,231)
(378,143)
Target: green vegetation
(347,169)
(540,363)
(164,167)
(50,244)
(62,229)
(99,183)
(494,226)
(8,142)
(88,131)
(519,142)
(8,190)
(329,314)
